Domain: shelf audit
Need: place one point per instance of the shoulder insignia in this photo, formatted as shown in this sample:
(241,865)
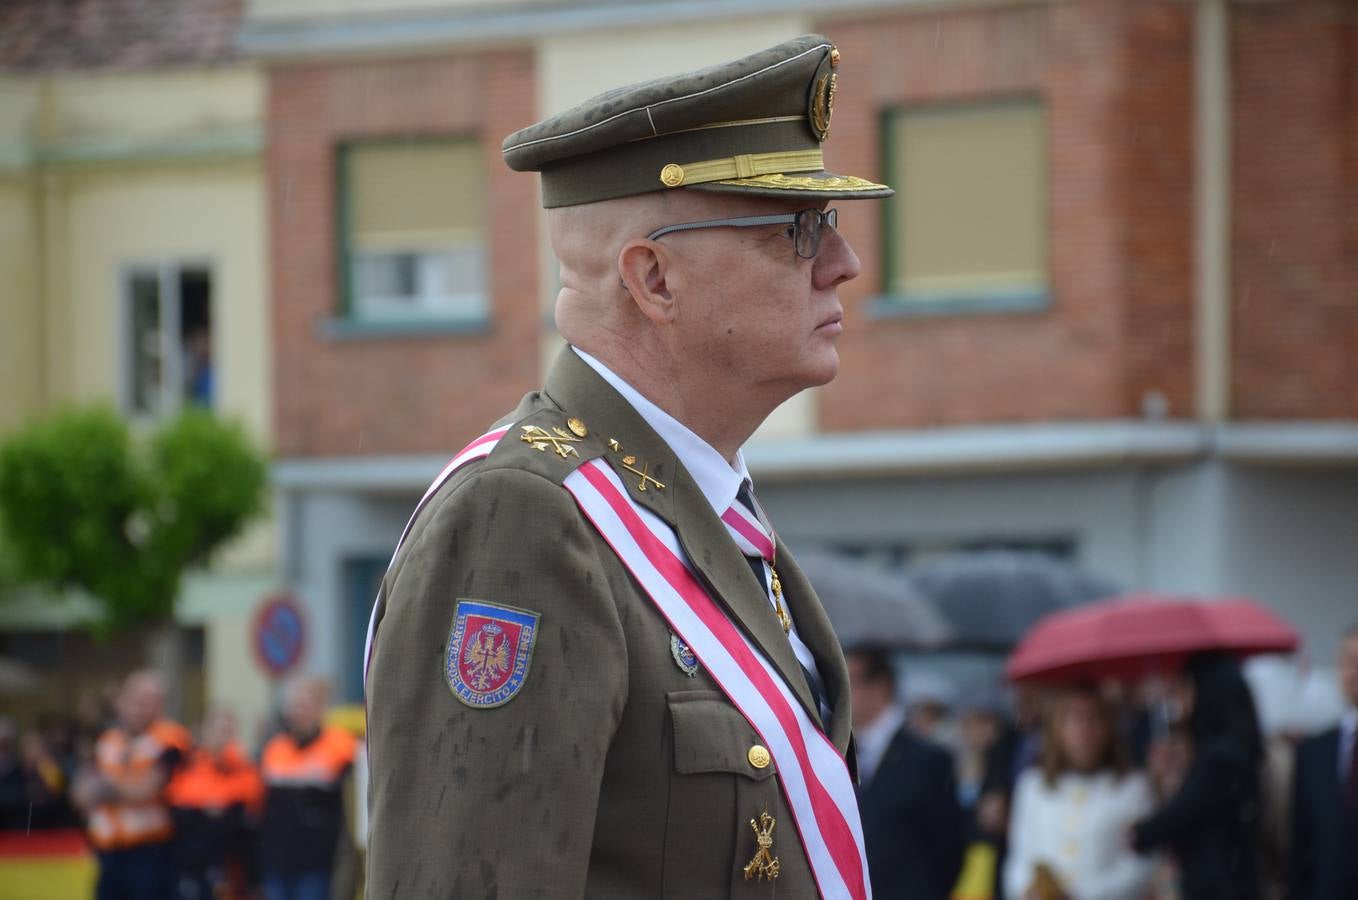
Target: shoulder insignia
(558,439)
(629,462)
(489,649)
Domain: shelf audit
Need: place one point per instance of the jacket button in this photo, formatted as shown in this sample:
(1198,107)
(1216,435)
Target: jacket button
(759,756)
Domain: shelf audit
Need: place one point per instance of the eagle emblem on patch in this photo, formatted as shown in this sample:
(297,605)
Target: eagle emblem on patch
(489,649)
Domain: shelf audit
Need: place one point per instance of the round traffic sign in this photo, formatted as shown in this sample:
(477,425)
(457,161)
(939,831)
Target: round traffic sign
(279,634)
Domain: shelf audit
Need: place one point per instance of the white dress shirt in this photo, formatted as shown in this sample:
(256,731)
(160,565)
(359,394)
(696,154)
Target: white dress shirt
(718,479)
(872,739)
(1079,827)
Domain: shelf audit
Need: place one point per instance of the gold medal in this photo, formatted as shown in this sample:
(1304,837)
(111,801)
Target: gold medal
(765,864)
(777,586)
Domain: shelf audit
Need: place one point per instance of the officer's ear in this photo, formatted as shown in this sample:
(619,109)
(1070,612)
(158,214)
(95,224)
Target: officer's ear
(642,265)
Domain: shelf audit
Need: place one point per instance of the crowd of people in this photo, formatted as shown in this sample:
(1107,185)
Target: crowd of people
(1085,793)
(1159,791)
(171,817)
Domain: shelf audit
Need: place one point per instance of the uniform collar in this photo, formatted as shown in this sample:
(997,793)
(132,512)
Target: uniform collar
(718,479)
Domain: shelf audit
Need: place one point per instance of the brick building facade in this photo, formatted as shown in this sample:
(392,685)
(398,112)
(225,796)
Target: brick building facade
(366,393)
(1176,405)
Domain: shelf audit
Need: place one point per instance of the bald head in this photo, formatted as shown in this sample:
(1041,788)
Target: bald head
(587,241)
(304,700)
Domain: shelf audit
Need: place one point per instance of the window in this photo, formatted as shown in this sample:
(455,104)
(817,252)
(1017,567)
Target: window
(968,223)
(413,232)
(167,336)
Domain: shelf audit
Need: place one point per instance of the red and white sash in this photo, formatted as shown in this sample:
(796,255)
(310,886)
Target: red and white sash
(477,449)
(814,777)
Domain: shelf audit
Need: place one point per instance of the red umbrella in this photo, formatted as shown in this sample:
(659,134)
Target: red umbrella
(1126,637)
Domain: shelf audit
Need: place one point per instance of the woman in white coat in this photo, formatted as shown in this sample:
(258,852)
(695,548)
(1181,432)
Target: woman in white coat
(1072,814)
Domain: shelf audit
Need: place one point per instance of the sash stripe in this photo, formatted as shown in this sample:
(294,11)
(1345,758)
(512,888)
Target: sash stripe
(477,449)
(749,535)
(814,776)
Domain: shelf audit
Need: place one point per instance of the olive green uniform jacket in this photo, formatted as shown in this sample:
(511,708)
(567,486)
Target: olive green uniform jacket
(611,773)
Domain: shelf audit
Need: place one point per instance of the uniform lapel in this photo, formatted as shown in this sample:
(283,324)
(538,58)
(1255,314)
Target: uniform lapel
(579,391)
(815,630)
(728,577)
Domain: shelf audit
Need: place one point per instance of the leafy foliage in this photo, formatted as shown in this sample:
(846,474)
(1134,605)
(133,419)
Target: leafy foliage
(83,505)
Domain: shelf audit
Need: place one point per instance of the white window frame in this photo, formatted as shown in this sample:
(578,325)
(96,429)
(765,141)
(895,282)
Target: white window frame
(167,271)
(423,306)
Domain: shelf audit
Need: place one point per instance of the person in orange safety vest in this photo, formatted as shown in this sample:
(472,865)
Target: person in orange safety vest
(304,769)
(214,799)
(128,821)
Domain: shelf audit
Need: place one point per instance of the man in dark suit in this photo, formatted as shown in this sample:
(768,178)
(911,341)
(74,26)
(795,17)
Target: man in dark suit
(1325,799)
(913,825)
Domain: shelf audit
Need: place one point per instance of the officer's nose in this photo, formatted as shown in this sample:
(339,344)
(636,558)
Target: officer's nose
(836,262)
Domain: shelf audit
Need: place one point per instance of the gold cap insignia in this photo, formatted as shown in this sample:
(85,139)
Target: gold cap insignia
(823,104)
(672,175)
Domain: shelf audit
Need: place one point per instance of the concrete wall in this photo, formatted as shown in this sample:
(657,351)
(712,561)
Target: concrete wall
(1285,537)
(1088,508)
(225,605)
(1293,543)
(324,530)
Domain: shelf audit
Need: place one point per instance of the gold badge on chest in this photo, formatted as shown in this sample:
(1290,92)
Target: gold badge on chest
(765,864)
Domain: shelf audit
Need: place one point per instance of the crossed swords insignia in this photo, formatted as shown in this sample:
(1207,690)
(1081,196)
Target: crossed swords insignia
(560,441)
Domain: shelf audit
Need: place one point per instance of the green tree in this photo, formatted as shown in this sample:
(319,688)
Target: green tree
(84,506)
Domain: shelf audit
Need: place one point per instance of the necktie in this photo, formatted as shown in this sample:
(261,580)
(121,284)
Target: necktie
(750,529)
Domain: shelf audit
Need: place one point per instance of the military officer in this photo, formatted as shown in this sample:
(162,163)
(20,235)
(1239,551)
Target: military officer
(593,668)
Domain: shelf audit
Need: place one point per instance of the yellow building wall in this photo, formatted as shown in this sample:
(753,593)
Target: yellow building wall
(123,215)
(569,72)
(20,311)
(117,216)
(99,172)
(143,110)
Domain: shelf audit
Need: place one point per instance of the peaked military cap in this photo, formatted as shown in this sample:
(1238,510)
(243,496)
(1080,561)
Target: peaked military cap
(752,126)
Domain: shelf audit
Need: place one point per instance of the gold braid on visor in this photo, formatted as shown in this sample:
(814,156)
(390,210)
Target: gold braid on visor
(746,165)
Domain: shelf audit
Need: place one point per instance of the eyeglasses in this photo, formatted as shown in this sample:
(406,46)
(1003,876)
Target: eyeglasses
(806,227)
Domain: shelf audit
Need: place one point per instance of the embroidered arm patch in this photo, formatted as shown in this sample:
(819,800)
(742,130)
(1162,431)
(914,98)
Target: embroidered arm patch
(489,650)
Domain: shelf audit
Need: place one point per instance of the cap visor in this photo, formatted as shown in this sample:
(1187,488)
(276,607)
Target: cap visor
(825,185)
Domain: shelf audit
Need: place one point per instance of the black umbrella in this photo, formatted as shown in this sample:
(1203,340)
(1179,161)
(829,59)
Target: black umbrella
(869,606)
(992,598)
